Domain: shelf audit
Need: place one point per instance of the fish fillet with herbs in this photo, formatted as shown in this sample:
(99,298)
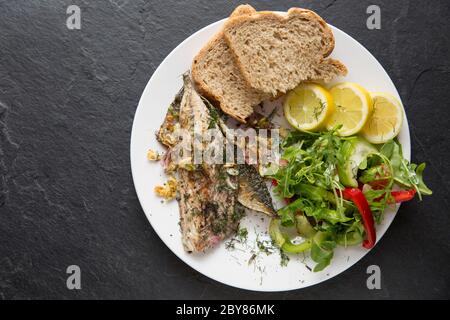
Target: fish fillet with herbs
(207,193)
(211,197)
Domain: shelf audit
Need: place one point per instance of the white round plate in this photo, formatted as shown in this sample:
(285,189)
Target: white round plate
(232,267)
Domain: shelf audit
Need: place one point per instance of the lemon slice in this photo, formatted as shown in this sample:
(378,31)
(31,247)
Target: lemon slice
(308,107)
(353,107)
(386,119)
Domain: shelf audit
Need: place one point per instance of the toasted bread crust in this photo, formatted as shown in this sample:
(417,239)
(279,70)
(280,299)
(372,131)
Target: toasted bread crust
(234,23)
(328,69)
(313,15)
(198,81)
(196,70)
(240,105)
(235,20)
(243,9)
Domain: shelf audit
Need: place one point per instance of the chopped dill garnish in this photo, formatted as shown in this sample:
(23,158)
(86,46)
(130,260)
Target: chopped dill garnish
(240,237)
(318,110)
(264,246)
(242,234)
(284,259)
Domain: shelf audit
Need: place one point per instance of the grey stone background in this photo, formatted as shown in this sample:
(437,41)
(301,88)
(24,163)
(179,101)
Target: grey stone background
(67,100)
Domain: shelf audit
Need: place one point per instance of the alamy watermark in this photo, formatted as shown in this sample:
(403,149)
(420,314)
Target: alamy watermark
(374,280)
(374,20)
(73,21)
(210,141)
(237,147)
(74,279)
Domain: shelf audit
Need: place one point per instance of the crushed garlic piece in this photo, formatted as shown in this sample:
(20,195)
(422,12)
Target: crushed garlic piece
(153,155)
(169,190)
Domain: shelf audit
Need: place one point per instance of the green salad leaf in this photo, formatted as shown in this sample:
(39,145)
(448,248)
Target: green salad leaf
(421,185)
(406,174)
(322,248)
(352,235)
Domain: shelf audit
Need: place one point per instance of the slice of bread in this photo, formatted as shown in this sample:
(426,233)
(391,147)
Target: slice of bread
(217,76)
(276,52)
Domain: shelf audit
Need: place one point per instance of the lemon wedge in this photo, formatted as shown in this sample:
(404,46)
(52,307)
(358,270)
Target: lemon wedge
(353,107)
(386,119)
(308,107)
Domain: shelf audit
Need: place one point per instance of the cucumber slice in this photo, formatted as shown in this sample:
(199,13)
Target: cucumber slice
(304,228)
(275,233)
(353,154)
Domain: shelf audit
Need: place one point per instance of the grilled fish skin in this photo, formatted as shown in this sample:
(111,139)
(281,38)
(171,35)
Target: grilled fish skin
(207,194)
(253,192)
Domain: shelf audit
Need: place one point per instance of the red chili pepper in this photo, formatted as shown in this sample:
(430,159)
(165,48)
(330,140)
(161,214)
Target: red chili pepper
(403,195)
(274,182)
(399,196)
(356,195)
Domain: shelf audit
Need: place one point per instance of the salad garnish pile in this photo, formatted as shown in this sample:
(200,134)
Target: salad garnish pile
(336,190)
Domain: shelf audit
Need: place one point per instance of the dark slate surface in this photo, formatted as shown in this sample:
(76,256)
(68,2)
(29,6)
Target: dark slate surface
(67,100)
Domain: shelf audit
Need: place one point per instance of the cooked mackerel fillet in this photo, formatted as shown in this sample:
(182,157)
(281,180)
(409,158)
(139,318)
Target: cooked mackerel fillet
(208,204)
(211,198)
(253,193)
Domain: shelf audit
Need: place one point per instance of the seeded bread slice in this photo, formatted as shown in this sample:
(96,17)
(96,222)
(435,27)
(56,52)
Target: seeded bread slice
(276,52)
(217,76)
